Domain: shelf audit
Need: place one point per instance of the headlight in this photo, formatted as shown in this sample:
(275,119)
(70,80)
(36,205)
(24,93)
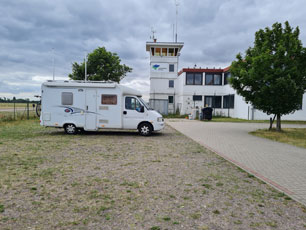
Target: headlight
(160,119)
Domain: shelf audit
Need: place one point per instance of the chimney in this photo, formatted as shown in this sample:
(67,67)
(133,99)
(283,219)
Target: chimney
(155,40)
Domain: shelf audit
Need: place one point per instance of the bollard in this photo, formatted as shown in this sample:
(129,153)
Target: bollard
(28,115)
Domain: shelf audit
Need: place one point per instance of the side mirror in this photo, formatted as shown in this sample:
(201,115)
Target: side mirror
(141,109)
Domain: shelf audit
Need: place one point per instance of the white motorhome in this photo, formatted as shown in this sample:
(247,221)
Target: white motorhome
(79,105)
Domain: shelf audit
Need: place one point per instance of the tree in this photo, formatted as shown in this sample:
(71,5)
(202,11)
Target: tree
(272,75)
(102,65)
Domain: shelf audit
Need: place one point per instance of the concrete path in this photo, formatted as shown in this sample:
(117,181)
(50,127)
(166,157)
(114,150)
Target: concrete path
(280,165)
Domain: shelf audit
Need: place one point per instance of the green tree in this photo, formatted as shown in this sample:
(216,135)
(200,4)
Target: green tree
(272,74)
(102,65)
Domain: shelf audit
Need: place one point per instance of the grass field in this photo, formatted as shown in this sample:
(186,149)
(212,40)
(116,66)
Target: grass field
(120,180)
(19,115)
(229,119)
(291,136)
(17,105)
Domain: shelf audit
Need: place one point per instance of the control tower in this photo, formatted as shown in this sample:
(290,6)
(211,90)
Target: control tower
(164,59)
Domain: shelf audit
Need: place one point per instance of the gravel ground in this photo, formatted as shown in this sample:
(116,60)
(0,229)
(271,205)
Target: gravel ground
(119,180)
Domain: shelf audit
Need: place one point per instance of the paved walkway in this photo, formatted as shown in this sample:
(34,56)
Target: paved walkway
(281,165)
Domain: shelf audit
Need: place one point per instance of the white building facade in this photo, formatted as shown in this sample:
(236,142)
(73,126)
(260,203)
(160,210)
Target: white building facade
(180,92)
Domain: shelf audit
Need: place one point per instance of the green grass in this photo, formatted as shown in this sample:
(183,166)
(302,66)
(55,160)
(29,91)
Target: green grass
(175,116)
(19,130)
(230,119)
(17,105)
(19,115)
(292,136)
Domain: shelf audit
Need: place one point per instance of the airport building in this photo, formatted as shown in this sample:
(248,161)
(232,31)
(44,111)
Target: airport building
(179,91)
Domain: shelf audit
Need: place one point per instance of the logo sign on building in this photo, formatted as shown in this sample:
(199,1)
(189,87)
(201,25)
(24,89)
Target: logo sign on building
(159,67)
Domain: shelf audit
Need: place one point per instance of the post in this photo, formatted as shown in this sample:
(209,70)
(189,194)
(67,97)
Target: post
(14,110)
(53,64)
(228,106)
(85,69)
(28,114)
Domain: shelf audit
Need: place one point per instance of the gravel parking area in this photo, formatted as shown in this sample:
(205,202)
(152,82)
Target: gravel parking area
(120,180)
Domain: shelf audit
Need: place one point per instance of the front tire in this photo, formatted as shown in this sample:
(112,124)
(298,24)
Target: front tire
(145,129)
(70,129)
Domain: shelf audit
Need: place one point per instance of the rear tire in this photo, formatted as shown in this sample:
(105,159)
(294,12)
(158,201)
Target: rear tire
(70,129)
(145,129)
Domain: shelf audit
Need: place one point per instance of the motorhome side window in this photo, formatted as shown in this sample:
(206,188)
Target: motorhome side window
(108,99)
(132,103)
(67,98)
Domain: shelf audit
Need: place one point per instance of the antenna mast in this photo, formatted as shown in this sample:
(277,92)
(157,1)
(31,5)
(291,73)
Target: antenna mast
(153,33)
(176,5)
(85,68)
(53,63)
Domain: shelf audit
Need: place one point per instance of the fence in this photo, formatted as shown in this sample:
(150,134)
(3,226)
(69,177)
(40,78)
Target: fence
(10,111)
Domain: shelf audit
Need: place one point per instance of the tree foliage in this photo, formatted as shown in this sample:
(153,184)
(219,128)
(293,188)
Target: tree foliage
(102,65)
(272,74)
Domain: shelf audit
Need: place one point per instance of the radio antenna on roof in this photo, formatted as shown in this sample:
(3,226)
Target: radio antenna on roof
(176,5)
(153,33)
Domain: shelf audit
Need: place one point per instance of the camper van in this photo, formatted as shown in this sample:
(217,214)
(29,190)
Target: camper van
(90,106)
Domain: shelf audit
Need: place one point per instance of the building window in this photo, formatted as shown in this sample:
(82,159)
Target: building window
(213,79)
(228,101)
(164,51)
(176,51)
(171,83)
(170,99)
(227,76)
(197,98)
(171,67)
(157,51)
(67,98)
(107,99)
(171,52)
(194,78)
(213,101)
(152,51)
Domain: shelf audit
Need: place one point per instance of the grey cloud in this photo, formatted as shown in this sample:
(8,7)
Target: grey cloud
(214,31)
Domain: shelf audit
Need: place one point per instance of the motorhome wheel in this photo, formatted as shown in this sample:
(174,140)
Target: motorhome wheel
(145,129)
(70,129)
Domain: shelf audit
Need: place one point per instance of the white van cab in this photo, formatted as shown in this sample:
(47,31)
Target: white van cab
(90,106)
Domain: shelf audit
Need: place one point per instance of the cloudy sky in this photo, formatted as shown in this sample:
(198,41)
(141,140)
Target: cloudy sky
(213,31)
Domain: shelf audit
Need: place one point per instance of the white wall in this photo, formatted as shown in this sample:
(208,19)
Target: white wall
(241,109)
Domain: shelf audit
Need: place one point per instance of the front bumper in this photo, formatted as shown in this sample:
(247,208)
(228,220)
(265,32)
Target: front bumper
(159,126)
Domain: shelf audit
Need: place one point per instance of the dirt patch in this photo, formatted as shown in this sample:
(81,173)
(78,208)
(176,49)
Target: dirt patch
(120,180)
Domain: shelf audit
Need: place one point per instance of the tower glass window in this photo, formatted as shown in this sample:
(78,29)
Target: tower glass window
(152,51)
(157,51)
(171,52)
(164,51)
(171,83)
(170,99)
(171,67)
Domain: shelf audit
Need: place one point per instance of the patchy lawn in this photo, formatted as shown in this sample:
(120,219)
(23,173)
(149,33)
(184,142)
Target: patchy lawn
(120,180)
(230,119)
(292,136)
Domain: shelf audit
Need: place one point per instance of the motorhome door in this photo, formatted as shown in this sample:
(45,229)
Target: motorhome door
(91,109)
(132,114)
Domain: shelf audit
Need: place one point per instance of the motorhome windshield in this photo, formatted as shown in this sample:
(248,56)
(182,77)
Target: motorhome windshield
(144,103)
